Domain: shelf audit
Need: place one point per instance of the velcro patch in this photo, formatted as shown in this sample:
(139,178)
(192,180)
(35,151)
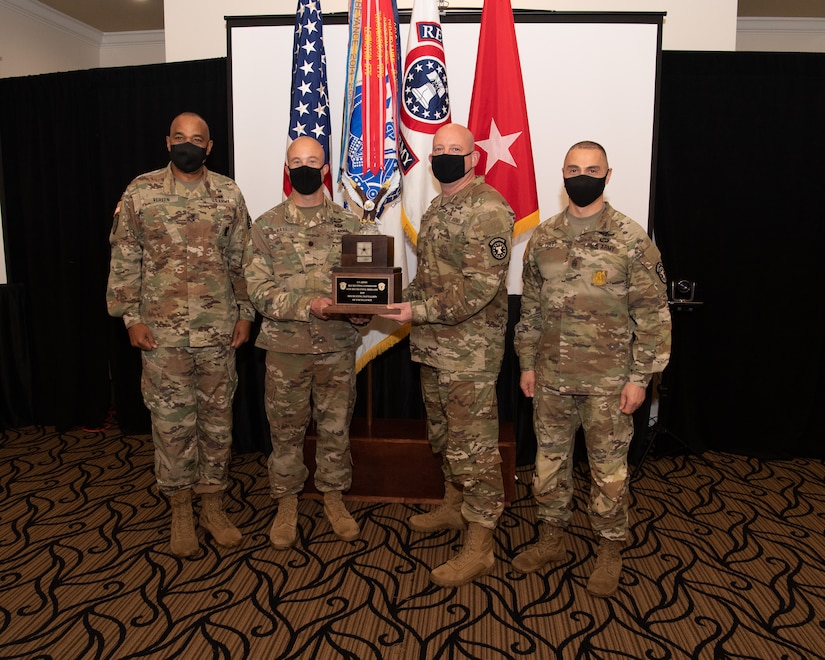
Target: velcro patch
(660,271)
(498,248)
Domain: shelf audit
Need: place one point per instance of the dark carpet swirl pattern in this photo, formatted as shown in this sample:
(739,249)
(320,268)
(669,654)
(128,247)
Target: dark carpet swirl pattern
(725,561)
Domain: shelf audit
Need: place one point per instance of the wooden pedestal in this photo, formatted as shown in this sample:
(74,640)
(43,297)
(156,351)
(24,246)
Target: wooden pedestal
(393,462)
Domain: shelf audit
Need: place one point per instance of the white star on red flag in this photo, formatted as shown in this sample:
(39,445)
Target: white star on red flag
(498,146)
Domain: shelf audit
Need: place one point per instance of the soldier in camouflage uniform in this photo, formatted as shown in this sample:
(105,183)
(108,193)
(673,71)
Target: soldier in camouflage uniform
(457,304)
(594,328)
(310,359)
(176,278)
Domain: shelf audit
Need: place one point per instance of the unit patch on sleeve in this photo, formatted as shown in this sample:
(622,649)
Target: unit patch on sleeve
(660,271)
(498,248)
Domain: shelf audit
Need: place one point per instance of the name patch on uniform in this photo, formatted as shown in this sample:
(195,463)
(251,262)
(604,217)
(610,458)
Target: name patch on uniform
(498,248)
(598,245)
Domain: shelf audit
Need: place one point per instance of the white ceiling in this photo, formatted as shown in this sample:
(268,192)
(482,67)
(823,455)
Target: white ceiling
(126,15)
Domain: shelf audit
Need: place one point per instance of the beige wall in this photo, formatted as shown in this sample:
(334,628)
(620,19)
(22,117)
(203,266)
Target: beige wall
(195,29)
(35,39)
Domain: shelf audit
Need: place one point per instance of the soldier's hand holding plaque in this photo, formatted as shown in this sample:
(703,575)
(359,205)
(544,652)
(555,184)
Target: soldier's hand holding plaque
(366,282)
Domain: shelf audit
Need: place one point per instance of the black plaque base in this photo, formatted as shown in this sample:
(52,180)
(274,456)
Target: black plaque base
(365,290)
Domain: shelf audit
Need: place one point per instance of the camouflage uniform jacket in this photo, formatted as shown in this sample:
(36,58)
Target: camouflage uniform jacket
(177,259)
(288,263)
(459,294)
(594,312)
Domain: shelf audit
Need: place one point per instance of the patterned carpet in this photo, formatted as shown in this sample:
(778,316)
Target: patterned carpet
(726,561)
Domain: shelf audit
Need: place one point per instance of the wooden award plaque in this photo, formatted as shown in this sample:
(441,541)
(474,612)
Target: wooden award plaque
(366,281)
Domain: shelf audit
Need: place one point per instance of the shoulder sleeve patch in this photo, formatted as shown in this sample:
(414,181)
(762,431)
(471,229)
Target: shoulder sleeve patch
(660,271)
(498,248)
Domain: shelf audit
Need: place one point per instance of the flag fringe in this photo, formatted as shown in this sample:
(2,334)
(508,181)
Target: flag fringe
(385,344)
(527,223)
(408,227)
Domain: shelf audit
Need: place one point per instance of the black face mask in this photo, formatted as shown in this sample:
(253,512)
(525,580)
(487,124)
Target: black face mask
(449,167)
(583,190)
(305,179)
(187,157)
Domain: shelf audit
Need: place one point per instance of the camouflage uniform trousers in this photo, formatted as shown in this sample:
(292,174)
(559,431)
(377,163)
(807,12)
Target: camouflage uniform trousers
(608,432)
(298,386)
(462,426)
(189,392)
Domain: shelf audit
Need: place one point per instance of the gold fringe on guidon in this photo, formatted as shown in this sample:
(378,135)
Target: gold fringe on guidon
(382,345)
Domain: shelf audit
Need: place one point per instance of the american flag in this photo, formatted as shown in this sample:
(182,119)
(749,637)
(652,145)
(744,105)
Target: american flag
(309,105)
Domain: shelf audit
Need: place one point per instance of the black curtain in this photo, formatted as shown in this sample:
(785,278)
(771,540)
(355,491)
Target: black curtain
(71,143)
(737,212)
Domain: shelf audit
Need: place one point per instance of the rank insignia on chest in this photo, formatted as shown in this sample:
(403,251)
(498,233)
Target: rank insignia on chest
(599,278)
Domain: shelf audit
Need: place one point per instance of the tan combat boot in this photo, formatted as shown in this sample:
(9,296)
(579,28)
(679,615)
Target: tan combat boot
(446,515)
(475,559)
(284,529)
(549,547)
(343,524)
(184,542)
(604,581)
(214,521)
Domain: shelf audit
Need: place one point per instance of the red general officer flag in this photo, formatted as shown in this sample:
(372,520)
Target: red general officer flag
(498,115)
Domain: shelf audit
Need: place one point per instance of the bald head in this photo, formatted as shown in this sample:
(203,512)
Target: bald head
(306,170)
(453,138)
(454,157)
(188,144)
(190,122)
(305,151)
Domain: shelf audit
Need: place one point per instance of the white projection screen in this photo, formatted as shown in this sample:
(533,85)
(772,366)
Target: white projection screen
(587,76)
